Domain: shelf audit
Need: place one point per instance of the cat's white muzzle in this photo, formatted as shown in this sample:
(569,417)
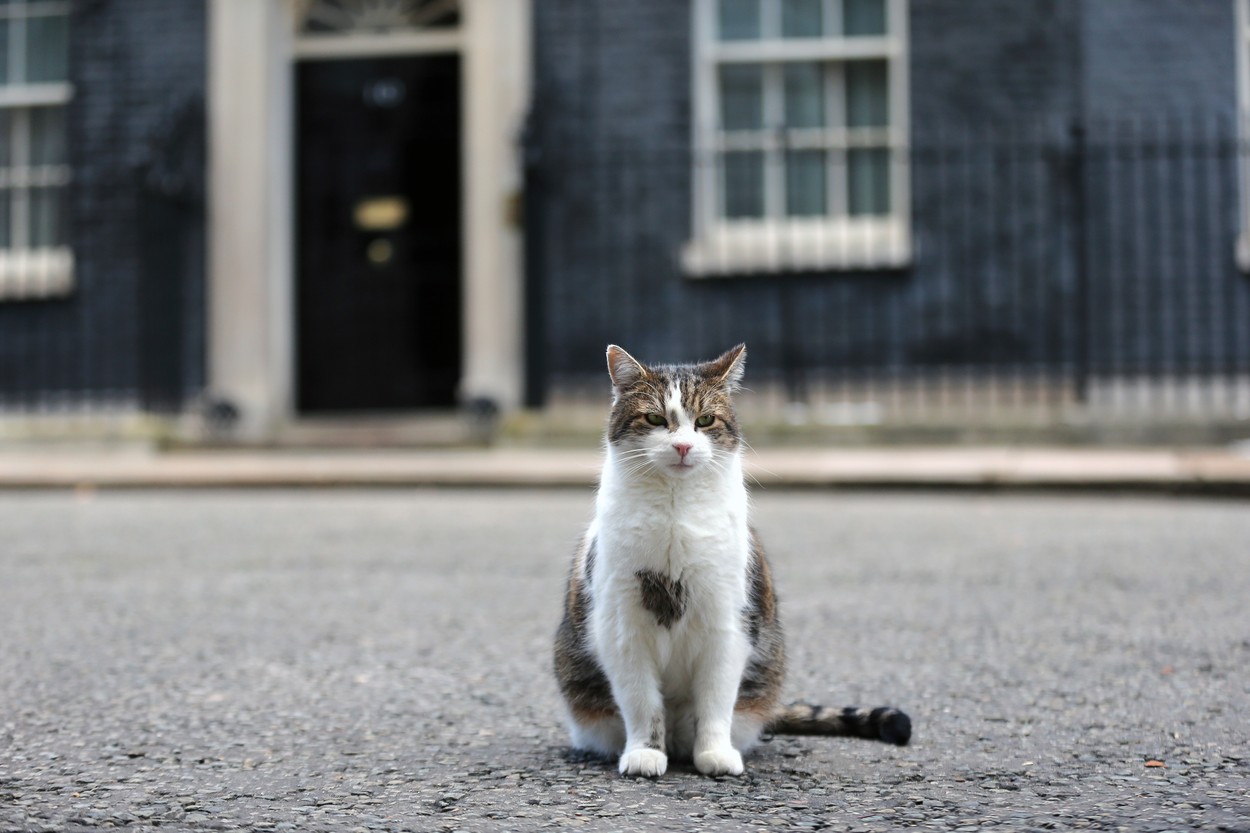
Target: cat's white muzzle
(681,453)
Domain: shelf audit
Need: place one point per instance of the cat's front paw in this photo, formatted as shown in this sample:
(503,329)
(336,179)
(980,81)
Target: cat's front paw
(723,761)
(649,763)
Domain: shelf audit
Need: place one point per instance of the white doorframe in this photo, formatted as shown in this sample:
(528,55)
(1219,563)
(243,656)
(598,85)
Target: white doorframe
(249,227)
(251,328)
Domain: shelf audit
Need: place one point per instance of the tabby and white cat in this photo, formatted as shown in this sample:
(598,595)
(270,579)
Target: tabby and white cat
(670,643)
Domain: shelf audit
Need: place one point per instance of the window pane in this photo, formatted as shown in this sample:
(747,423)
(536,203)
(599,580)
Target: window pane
(805,95)
(47,217)
(47,49)
(6,218)
(868,178)
(805,183)
(867,103)
(863,17)
(6,133)
(4,51)
(742,96)
(47,136)
(802,18)
(739,19)
(744,184)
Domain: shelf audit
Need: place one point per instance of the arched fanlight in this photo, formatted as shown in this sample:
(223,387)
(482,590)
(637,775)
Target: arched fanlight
(343,17)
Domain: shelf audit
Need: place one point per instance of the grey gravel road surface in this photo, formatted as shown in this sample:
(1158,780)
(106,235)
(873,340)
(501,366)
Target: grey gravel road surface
(360,661)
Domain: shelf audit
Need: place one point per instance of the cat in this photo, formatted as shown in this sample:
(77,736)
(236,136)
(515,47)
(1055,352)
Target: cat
(670,645)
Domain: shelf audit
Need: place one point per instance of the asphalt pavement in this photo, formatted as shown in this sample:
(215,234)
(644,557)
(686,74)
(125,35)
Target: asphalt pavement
(379,660)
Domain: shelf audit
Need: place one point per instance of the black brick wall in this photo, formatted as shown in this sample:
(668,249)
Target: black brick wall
(988,62)
(1174,58)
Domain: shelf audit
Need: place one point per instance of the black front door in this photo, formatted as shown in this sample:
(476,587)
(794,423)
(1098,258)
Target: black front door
(378,233)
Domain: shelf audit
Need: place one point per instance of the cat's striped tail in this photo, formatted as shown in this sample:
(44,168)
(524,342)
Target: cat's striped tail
(883,723)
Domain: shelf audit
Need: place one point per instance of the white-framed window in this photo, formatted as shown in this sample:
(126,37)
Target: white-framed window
(35,257)
(1241,14)
(801,136)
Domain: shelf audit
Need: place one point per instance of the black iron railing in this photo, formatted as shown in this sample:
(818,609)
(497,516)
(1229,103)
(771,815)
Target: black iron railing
(1039,270)
(1044,271)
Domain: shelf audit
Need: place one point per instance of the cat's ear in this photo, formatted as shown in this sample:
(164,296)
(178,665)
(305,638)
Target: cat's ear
(727,368)
(623,368)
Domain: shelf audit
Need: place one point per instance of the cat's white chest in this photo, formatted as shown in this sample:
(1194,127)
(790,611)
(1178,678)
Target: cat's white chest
(674,536)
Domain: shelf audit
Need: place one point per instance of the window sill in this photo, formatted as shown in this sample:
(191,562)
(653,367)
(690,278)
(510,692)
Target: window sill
(29,274)
(753,248)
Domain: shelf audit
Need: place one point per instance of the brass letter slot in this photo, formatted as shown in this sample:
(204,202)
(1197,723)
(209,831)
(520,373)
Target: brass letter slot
(381,213)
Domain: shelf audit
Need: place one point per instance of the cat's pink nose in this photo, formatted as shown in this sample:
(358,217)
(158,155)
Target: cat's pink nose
(683,449)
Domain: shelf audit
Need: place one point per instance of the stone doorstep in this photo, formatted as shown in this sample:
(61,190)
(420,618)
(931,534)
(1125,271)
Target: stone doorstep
(1198,470)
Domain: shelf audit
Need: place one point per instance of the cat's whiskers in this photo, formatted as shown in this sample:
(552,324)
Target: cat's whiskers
(640,468)
(718,464)
(746,447)
(635,461)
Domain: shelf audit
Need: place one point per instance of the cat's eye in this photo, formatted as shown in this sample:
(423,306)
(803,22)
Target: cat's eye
(656,419)
(704,421)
